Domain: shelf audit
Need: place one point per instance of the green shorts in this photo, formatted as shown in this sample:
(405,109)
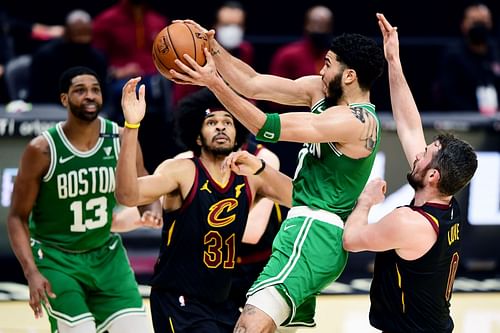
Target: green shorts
(307,256)
(96,285)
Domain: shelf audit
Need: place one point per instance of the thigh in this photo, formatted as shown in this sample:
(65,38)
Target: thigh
(70,304)
(307,256)
(115,291)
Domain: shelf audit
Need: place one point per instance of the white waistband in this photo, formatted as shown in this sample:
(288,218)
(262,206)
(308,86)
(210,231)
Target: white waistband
(317,214)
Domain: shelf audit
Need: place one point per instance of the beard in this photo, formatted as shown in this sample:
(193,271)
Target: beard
(335,90)
(414,182)
(215,150)
(80,113)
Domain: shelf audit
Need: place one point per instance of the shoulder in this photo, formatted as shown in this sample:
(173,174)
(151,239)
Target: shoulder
(176,166)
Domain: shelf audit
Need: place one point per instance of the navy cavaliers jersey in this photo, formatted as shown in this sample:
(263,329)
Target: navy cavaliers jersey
(414,296)
(200,241)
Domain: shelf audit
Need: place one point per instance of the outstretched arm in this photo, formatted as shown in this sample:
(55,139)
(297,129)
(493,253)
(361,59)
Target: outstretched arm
(251,84)
(336,124)
(404,108)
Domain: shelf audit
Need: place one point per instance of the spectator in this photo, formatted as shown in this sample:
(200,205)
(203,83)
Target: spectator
(305,56)
(229,25)
(125,33)
(470,70)
(16,37)
(73,49)
(300,58)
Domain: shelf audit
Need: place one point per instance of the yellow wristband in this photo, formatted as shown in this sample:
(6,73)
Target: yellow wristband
(128,125)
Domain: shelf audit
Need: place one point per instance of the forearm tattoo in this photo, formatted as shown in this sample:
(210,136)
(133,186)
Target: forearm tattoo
(369,135)
(215,52)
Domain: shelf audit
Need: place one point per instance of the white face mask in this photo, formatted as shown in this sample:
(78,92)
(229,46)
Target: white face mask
(230,36)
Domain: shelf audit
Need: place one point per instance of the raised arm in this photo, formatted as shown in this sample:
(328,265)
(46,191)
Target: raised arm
(131,188)
(337,124)
(404,108)
(247,82)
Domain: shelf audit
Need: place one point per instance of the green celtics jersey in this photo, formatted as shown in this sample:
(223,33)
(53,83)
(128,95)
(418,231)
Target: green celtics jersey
(327,179)
(75,203)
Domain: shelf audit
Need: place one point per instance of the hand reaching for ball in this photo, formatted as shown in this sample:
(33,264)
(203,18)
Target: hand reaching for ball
(133,103)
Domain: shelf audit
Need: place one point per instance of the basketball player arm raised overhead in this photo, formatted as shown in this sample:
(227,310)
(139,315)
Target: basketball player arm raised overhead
(337,124)
(251,84)
(131,188)
(34,165)
(404,108)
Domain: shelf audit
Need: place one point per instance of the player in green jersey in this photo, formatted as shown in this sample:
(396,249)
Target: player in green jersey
(341,135)
(61,217)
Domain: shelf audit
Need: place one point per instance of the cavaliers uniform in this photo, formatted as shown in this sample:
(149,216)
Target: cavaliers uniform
(253,257)
(414,295)
(200,243)
(307,251)
(70,233)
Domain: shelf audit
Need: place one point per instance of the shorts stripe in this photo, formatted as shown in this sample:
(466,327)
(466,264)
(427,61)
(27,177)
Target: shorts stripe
(297,250)
(68,320)
(125,312)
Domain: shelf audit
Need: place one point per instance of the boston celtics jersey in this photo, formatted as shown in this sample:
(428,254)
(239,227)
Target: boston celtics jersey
(74,206)
(327,179)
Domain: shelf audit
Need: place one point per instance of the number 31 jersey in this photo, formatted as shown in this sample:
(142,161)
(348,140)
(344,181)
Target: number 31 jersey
(200,241)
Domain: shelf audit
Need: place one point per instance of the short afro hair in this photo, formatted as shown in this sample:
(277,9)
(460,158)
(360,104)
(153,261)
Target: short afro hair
(361,54)
(67,76)
(189,116)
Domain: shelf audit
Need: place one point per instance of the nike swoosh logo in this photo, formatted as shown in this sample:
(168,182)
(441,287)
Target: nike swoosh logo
(288,226)
(113,246)
(63,160)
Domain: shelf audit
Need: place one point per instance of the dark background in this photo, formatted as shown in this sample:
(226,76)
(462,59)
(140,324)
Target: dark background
(425,28)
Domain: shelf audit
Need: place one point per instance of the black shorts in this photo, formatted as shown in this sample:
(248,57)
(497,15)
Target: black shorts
(175,313)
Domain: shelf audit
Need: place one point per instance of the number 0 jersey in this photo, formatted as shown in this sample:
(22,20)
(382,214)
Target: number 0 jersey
(200,241)
(414,295)
(74,207)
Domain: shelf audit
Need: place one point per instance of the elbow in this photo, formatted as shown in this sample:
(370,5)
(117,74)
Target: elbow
(349,243)
(125,199)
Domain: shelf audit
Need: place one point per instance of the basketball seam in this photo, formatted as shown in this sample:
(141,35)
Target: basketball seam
(159,61)
(173,45)
(194,42)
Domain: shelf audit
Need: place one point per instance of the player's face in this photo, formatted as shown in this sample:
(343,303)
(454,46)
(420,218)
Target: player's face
(422,163)
(218,133)
(331,74)
(85,97)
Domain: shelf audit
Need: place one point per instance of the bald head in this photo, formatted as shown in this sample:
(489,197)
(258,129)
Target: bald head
(319,19)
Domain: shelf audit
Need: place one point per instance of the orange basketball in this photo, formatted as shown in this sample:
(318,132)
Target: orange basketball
(175,40)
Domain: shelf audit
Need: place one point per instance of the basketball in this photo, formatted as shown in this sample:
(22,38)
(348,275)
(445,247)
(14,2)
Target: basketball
(173,42)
